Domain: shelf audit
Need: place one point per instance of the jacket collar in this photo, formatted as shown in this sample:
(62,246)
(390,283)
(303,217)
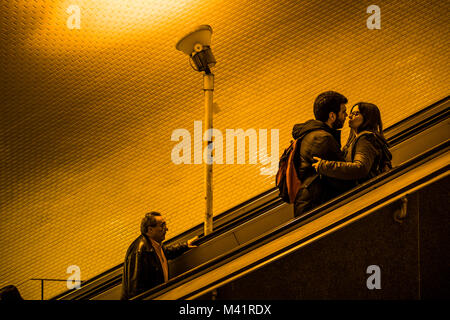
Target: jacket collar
(145,243)
(312,125)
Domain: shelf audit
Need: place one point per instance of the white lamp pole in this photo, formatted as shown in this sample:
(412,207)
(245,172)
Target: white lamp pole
(208,88)
(196,45)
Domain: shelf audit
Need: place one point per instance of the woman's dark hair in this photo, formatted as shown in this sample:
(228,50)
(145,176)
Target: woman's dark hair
(149,221)
(371,121)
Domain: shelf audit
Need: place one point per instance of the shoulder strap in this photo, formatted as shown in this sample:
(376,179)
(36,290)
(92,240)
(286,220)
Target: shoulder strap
(298,144)
(308,131)
(355,141)
(385,154)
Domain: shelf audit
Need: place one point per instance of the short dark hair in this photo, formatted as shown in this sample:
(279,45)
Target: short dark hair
(326,102)
(149,220)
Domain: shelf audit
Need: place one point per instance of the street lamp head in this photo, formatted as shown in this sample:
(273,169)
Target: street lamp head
(196,45)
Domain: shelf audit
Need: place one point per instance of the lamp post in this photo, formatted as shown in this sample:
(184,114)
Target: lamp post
(208,88)
(196,45)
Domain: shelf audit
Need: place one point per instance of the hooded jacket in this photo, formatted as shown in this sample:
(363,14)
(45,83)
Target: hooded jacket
(142,269)
(320,141)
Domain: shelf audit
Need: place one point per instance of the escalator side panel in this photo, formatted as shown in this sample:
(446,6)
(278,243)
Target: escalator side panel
(420,142)
(111,294)
(412,264)
(264,223)
(203,253)
(334,267)
(231,239)
(434,249)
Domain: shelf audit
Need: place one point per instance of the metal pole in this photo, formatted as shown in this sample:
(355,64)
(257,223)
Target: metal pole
(42,289)
(208,88)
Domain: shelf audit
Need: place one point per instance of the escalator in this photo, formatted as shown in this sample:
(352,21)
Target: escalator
(262,230)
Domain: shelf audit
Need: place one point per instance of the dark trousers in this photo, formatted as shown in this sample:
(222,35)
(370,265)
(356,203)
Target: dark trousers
(312,195)
(318,192)
(306,199)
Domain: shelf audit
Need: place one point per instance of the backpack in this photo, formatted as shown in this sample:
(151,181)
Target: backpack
(287,180)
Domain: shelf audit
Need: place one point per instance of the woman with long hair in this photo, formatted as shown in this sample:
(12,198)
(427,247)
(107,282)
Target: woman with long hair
(366,151)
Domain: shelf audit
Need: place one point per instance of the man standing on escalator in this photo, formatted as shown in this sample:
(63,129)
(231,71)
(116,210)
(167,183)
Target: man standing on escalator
(145,263)
(321,136)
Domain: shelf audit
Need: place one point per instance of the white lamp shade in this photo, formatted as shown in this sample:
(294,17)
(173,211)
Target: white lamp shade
(201,35)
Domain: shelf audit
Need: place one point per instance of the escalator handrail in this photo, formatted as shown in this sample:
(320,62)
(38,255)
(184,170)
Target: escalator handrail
(427,112)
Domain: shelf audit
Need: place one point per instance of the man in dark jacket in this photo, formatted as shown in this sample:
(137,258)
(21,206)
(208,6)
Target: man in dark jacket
(321,138)
(145,261)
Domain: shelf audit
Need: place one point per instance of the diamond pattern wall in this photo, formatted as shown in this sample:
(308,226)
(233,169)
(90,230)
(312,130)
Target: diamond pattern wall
(87,114)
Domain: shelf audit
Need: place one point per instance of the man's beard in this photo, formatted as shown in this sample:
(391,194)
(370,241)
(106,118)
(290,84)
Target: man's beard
(338,124)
